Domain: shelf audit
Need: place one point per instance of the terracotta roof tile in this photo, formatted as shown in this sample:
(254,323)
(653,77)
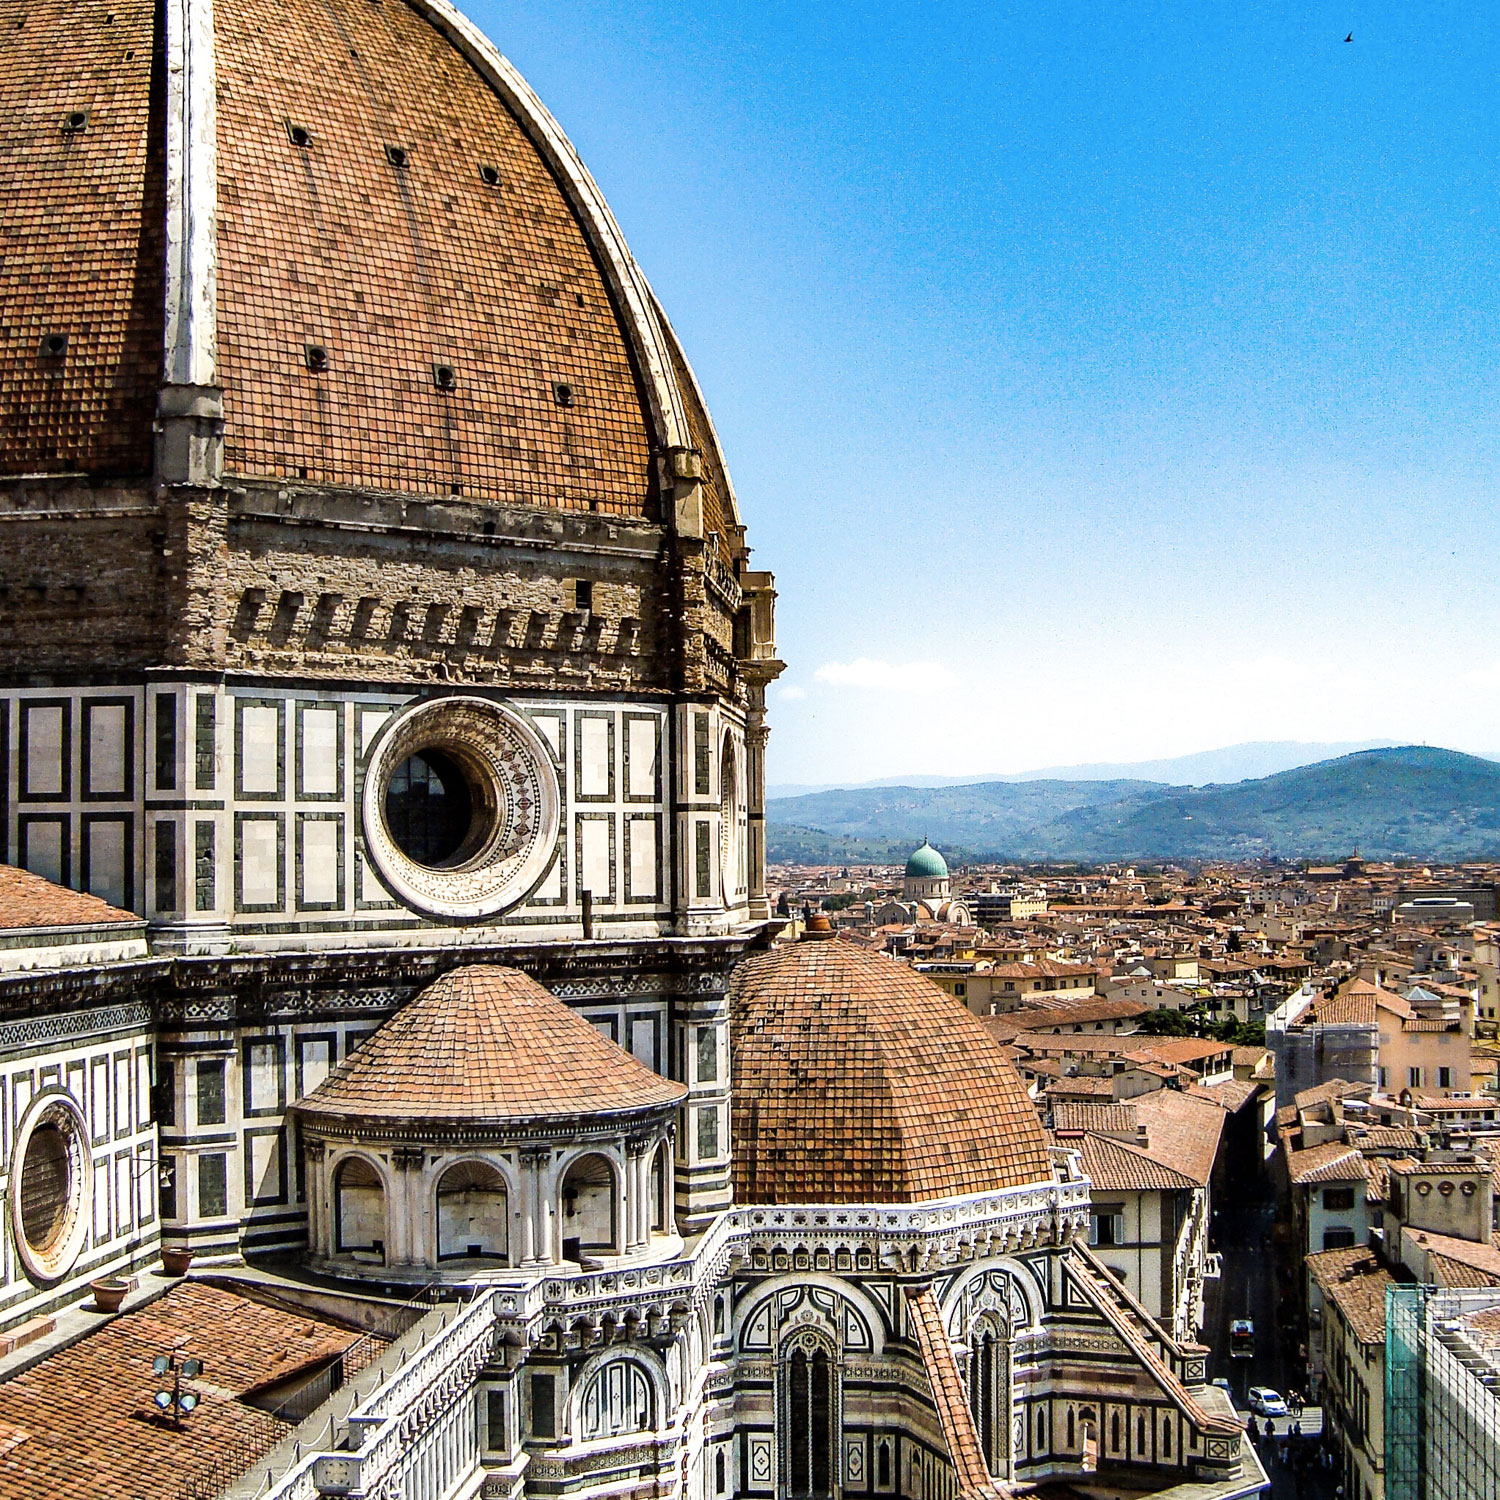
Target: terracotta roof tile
(27,900)
(487,1043)
(392,268)
(857,1080)
(1113,1166)
(81,245)
(1331,1162)
(92,1431)
(1355,1281)
(1182,1130)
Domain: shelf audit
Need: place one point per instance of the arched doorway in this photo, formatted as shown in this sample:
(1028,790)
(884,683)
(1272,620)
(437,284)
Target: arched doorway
(589,1219)
(359,1209)
(473,1213)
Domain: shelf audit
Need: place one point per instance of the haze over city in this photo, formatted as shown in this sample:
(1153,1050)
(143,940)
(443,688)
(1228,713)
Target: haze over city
(1105,382)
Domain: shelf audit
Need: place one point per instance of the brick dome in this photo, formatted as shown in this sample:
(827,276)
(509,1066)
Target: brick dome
(487,1045)
(857,1080)
(408,281)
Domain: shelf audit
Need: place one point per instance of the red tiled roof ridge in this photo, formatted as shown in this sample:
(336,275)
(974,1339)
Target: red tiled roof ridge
(487,1043)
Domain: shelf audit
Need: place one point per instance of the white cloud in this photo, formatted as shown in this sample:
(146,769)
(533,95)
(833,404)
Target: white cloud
(792,692)
(888,677)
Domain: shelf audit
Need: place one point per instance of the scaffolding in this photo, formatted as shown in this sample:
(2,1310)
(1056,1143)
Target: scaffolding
(1442,1393)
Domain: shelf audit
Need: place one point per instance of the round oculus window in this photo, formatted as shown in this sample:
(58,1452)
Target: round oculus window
(461,808)
(52,1171)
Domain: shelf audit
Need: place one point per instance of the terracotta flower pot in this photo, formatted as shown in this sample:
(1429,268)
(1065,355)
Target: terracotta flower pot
(175,1259)
(109,1292)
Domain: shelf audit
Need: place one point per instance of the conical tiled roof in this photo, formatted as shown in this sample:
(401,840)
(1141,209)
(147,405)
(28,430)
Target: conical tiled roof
(857,1080)
(487,1044)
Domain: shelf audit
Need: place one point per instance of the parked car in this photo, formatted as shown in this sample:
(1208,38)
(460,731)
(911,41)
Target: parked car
(1222,1384)
(1267,1402)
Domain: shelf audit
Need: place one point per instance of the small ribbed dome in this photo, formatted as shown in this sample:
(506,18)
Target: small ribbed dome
(857,1080)
(487,1044)
(926,864)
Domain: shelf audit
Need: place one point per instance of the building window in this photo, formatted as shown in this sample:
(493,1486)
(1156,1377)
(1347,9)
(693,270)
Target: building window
(213,1185)
(210,1091)
(166,1093)
(1338,1199)
(1445,1078)
(809,1408)
(986,1396)
(708,1133)
(1338,1238)
(721,1475)
(543,1406)
(1107,1224)
(708,1054)
(617,1400)
(960,990)
(494,1422)
(1414,1078)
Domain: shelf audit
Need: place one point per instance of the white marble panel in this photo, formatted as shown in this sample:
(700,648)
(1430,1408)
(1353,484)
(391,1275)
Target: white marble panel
(44,749)
(641,749)
(593,873)
(593,749)
(259,749)
(105,859)
(258,864)
(320,861)
(107,749)
(320,753)
(643,861)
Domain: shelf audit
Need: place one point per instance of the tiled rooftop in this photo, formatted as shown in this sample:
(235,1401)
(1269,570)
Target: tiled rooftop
(1355,1281)
(27,900)
(81,243)
(857,1080)
(90,1429)
(486,1043)
(392,268)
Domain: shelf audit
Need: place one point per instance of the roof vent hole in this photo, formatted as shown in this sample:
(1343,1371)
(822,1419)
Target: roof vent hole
(444,377)
(562,393)
(298,135)
(317,358)
(489,175)
(75,121)
(578,298)
(396,155)
(54,345)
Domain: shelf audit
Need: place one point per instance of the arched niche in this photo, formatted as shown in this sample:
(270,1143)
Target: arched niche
(589,1207)
(660,1188)
(359,1224)
(473,1213)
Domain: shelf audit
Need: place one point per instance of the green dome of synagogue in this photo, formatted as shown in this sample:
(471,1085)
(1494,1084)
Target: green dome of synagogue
(926,864)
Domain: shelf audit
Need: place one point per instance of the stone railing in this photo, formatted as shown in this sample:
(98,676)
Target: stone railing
(374,1445)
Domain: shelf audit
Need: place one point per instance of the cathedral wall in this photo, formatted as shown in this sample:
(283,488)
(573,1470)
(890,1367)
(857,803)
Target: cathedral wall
(92,1071)
(233,812)
(81,577)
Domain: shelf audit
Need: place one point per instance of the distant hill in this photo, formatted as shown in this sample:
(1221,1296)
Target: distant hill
(1409,800)
(1230,763)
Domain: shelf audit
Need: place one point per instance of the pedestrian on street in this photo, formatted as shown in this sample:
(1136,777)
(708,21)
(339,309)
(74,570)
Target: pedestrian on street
(1252,1429)
(1296,1428)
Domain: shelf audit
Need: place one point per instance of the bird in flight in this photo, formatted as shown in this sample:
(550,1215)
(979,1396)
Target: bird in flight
(1350,37)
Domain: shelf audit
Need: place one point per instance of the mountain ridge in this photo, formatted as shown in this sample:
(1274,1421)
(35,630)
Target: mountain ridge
(1404,801)
(1245,761)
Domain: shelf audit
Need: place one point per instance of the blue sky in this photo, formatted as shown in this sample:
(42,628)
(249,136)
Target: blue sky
(1100,381)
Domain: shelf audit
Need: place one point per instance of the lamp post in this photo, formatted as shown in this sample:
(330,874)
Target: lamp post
(178,1402)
